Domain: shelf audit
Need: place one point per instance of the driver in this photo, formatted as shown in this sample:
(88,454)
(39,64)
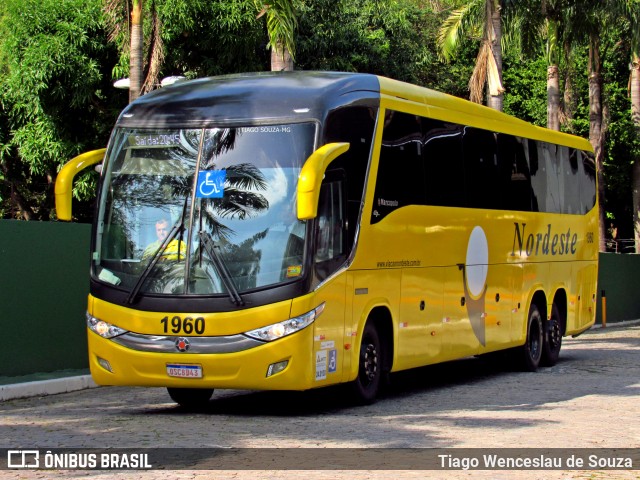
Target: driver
(176,249)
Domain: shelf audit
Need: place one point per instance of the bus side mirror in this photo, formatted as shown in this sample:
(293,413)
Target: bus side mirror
(311,177)
(64,180)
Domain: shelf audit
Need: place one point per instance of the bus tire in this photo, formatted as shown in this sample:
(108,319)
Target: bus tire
(531,351)
(190,397)
(370,361)
(552,339)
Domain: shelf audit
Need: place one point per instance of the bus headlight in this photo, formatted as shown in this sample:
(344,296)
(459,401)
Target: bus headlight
(282,329)
(102,328)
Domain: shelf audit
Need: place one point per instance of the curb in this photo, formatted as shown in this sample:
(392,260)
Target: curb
(624,323)
(46,387)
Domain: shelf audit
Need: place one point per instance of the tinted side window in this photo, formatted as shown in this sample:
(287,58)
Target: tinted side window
(400,179)
(442,152)
(431,162)
(481,168)
(573,170)
(587,182)
(538,169)
(514,173)
(547,155)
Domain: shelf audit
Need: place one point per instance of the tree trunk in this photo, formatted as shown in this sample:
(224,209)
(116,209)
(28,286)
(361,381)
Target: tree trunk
(596,134)
(568,102)
(553,80)
(493,16)
(553,97)
(635,115)
(135,55)
(281,60)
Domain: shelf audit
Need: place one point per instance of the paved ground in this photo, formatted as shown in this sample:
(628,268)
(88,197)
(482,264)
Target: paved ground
(591,399)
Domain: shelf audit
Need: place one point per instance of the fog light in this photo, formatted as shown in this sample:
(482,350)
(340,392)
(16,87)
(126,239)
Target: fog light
(105,364)
(277,367)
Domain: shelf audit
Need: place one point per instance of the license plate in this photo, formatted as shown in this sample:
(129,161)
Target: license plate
(184,371)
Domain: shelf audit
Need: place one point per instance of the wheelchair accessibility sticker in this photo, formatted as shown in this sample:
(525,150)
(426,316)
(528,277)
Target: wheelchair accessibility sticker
(211,183)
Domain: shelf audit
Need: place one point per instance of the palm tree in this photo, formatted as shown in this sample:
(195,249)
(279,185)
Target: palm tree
(552,14)
(546,19)
(131,42)
(281,27)
(585,22)
(485,16)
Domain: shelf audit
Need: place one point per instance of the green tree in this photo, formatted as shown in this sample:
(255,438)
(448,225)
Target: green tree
(56,99)
(478,16)
(203,38)
(120,14)
(190,38)
(395,39)
(281,27)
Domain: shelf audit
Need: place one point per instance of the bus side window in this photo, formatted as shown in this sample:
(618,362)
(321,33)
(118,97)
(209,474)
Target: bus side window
(514,173)
(400,178)
(444,168)
(572,171)
(537,168)
(588,182)
(481,168)
(331,233)
(551,200)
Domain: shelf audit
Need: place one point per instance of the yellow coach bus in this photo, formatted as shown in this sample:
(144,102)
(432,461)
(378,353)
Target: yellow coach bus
(304,229)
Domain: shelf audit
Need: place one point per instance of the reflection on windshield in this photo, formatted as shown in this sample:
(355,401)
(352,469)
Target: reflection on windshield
(234,186)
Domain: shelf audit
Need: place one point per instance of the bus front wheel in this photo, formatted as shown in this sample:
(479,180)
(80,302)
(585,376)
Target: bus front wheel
(531,351)
(367,383)
(190,397)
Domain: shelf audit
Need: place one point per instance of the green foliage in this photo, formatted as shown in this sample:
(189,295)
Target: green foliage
(200,38)
(526,89)
(281,23)
(467,20)
(211,37)
(395,39)
(52,56)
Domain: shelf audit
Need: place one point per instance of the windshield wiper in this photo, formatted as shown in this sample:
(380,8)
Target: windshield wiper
(210,247)
(178,227)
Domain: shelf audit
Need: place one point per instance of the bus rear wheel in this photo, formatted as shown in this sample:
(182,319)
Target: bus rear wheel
(367,384)
(531,351)
(552,339)
(190,397)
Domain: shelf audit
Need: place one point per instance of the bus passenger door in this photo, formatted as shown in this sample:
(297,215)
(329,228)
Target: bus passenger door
(330,254)
(420,322)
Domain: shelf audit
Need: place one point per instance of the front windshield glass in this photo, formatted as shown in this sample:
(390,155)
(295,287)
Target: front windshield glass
(202,211)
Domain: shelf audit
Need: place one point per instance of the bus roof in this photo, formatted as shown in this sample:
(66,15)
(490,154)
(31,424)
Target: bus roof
(251,98)
(288,97)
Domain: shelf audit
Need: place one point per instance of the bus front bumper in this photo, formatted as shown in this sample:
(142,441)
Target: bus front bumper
(114,364)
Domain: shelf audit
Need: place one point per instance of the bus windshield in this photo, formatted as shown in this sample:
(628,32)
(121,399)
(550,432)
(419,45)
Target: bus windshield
(202,211)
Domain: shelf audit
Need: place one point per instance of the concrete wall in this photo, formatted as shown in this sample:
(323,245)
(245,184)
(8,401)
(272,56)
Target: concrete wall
(44,282)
